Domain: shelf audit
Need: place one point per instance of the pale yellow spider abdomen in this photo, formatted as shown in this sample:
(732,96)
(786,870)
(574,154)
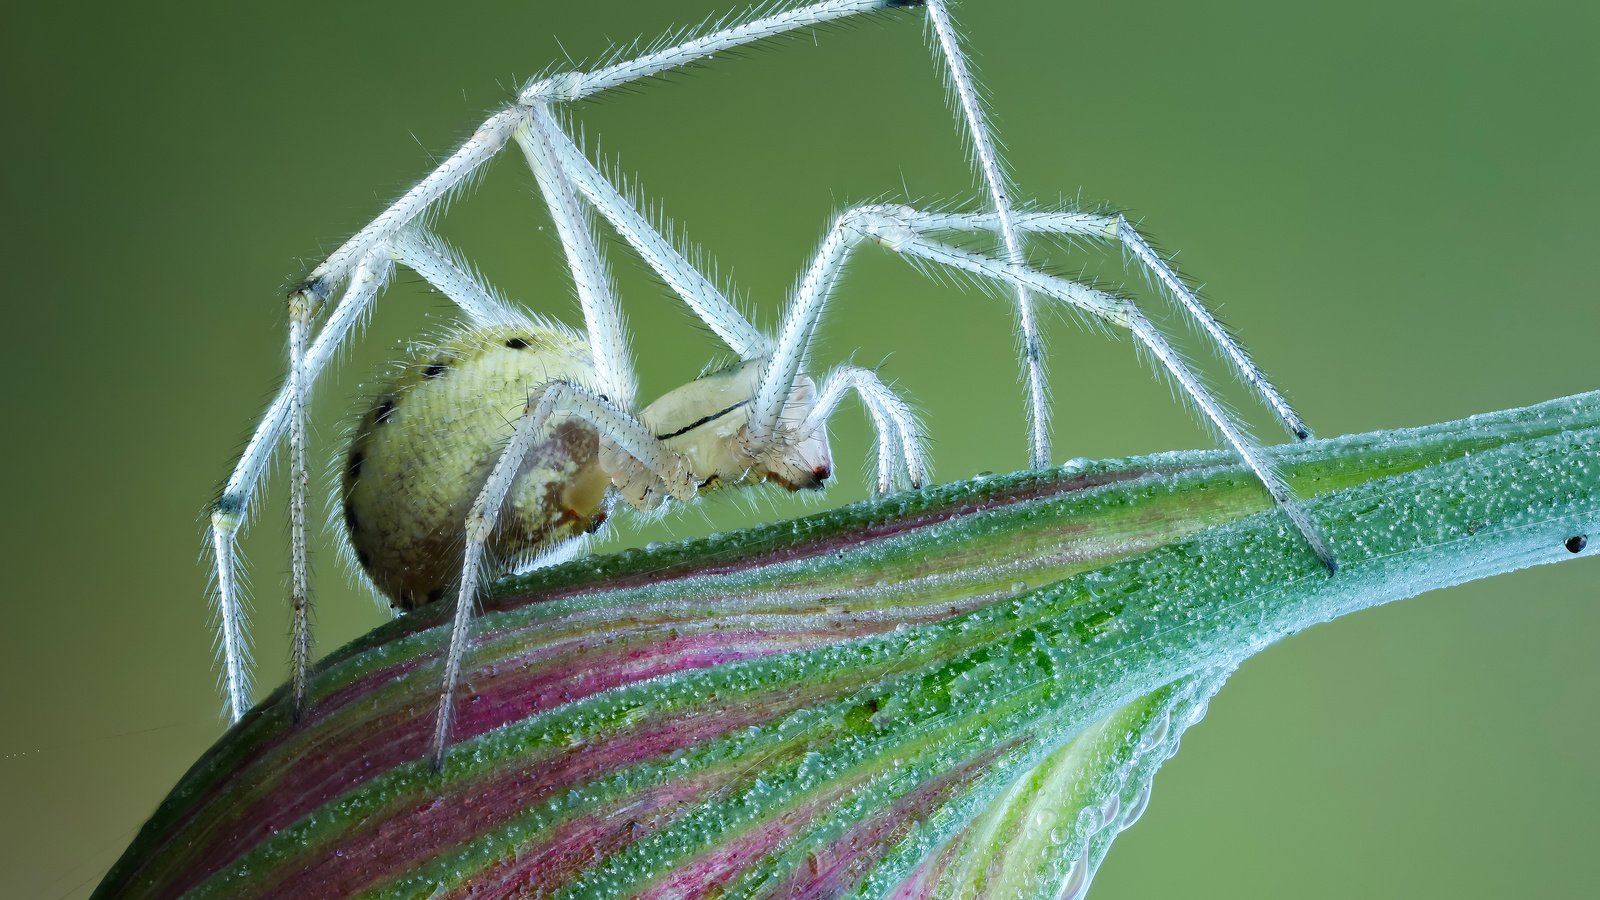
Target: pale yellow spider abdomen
(423,452)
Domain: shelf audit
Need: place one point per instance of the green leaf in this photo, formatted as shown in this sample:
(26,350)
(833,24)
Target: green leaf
(965,690)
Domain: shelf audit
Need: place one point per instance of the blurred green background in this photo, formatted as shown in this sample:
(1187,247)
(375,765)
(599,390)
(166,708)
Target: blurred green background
(1394,204)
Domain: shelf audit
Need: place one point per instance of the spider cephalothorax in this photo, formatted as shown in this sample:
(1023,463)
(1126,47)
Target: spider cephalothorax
(708,422)
(439,490)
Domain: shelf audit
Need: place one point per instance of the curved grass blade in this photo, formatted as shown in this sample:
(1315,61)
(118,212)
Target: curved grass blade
(879,700)
(1046,834)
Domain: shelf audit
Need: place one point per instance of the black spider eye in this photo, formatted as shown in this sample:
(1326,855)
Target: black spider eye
(1577,542)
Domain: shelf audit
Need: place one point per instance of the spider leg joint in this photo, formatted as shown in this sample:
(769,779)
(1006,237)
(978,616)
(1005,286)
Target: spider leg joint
(304,303)
(226,514)
(312,293)
(884,223)
(560,88)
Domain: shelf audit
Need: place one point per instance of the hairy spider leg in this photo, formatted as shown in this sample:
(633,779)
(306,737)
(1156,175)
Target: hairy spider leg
(558,398)
(964,94)
(443,269)
(1116,227)
(900,434)
(230,509)
(681,276)
(893,227)
(602,317)
(565,87)
(1235,353)
(607,340)
(448,273)
(604,410)
(300,314)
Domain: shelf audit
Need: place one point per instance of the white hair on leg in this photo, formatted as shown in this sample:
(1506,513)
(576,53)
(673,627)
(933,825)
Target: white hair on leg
(684,279)
(461,166)
(450,176)
(570,86)
(231,508)
(964,92)
(602,316)
(447,272)
(1231,349)
(1116,227)
(799,322)
(300,313)
(893,226)
(899,435)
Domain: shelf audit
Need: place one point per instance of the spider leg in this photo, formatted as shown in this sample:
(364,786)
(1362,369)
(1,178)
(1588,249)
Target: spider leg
(229,510)
(1185,297)
(964,93)
(565,87)
(1117,227)
(558,399)
(900,437)
(1123,312)
(681,276)
(430,258)
(448,273)
(895,227)
(788,355)
(799,322)
(601,315)
(300,314)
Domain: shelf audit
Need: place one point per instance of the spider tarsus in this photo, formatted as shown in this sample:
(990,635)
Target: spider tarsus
(1319,545)
(1302,434)
(441,735)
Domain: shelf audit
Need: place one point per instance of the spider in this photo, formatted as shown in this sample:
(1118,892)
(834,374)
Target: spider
(439,493)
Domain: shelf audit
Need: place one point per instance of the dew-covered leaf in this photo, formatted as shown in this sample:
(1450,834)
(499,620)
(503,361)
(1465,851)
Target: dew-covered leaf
(956,692)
